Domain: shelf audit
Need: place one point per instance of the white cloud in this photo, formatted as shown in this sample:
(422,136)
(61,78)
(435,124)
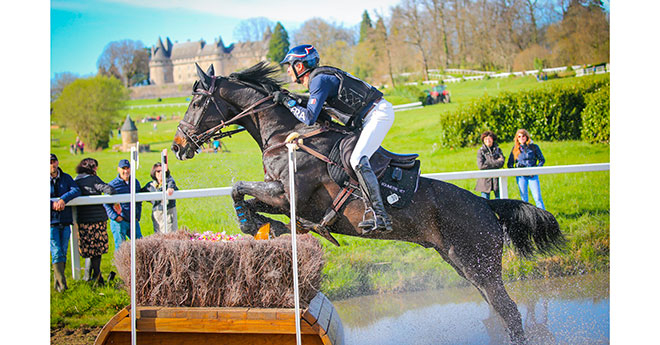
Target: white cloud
(348,12)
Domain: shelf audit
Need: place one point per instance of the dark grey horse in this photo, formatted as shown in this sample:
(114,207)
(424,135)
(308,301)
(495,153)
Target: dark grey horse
(466,230)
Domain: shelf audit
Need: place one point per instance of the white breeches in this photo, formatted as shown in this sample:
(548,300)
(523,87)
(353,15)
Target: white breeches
(375,126)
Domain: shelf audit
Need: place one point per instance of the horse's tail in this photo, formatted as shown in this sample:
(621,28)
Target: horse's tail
(531,229)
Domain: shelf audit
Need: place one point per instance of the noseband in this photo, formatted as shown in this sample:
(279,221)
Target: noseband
(198,139)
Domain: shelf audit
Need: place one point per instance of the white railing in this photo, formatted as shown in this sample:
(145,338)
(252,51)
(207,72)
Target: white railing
(223,191)
(409,106)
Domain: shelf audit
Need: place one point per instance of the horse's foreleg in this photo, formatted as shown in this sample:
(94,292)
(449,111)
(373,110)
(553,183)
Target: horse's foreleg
(269,197)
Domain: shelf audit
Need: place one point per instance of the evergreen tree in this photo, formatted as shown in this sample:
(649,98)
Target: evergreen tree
(279,44)
(365,26)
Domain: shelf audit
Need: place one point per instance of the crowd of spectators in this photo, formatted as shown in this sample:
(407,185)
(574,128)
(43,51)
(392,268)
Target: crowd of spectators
(92,220)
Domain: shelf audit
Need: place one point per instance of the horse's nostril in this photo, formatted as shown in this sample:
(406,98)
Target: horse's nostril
(175,148)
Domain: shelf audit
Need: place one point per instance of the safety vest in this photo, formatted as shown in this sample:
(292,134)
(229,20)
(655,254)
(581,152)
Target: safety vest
(353,96)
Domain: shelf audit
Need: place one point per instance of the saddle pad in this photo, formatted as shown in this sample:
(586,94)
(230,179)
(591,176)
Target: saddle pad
(397,184)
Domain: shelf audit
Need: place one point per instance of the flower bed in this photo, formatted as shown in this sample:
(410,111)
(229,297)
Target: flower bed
(187,269)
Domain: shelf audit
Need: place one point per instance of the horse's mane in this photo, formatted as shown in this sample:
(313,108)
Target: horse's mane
(262,74)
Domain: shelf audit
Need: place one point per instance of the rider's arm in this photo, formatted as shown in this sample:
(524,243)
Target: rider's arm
(320,88)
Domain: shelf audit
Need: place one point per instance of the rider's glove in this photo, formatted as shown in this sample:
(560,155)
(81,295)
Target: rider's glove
(282,97)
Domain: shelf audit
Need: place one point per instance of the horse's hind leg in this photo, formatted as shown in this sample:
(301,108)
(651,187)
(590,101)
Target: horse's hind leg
(500,300)
(486,275)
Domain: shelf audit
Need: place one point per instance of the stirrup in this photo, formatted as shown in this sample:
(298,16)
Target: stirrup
(372,224)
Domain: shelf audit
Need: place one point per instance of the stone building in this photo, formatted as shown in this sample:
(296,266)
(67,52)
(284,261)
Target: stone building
(174,63)
(129,136)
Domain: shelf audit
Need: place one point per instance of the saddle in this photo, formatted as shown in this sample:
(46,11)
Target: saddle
(398,174)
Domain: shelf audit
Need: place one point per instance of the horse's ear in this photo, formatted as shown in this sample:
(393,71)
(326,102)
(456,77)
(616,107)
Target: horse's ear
(203,77)
(210,71)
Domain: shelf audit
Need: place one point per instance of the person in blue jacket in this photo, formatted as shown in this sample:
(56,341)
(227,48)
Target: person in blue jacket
(525,154)
(120,221)
(366,108)
(65,189)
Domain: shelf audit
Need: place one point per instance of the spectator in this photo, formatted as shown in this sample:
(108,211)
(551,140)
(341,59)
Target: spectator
(77,145)
(65,189)
(81,147)
(489,156)
(526,154)
(120,221)
(92,220)
(157,211)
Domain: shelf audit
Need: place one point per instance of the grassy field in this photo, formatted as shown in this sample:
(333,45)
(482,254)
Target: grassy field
(580,201)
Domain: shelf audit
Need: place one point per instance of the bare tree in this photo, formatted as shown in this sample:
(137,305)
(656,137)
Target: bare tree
(59,82)
(125,60)
(415,28)
(333,41)
(253,29)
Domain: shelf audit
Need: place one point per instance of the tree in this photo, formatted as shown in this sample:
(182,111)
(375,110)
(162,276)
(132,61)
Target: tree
(59,82)
(582,36)
(279,43)
(126,60)
(365,26)
(91,107)
(415,30)
(252,29)
(334,42)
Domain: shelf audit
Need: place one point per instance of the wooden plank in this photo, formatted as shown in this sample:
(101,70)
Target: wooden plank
(106,331)
(262,314)
(212,339)
(312,312)
(336,329)
(213,326)
(324,316)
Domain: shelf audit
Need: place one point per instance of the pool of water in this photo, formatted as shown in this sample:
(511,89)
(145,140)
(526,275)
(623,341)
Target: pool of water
(569,310)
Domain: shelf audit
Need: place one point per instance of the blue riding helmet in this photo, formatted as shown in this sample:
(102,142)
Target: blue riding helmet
(306,54)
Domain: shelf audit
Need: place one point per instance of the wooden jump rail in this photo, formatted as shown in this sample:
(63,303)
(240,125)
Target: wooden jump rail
(320,324)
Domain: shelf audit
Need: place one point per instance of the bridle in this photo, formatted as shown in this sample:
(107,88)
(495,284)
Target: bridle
(198,139)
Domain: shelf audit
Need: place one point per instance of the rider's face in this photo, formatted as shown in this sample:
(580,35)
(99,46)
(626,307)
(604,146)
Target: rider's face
(298,66)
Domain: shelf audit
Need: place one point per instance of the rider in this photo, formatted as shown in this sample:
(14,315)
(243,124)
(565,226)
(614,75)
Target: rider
(368,110)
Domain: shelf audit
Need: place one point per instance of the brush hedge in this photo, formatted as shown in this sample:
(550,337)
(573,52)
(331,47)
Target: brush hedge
(173,270)
(551,113)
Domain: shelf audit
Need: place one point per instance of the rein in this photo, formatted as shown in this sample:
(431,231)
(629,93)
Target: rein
(216,132)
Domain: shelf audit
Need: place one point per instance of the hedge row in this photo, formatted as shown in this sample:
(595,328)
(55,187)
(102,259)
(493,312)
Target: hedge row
(551,113)
(596,117)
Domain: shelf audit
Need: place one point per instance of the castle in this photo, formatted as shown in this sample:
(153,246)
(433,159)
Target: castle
(175,63)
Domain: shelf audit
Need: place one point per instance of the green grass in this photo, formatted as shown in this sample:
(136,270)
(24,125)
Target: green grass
(580,202)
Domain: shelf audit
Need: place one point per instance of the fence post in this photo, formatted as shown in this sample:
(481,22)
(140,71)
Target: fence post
(75,252)
(504,191)
(294,257)
(163,179)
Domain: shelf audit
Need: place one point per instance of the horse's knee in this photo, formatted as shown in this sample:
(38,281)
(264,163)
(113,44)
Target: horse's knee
(237,191)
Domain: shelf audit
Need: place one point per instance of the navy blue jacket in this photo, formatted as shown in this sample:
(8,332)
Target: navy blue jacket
(122,187)
(530,156)
(321,88)
(65,188)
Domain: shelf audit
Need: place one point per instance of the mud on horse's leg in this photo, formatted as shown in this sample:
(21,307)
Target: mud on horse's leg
(269,197)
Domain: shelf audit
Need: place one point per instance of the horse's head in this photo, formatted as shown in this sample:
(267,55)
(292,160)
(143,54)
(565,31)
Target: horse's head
(205,115)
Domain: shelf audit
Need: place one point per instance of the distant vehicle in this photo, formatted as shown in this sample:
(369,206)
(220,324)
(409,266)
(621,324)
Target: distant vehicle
(437,94)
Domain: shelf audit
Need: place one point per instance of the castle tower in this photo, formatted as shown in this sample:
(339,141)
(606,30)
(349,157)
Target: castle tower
(160,66)
(129,136)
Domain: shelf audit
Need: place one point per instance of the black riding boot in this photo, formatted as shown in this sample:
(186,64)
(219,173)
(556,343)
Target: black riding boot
(371,190)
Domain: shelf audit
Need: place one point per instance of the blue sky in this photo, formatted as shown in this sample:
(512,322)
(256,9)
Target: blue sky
(79,29)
